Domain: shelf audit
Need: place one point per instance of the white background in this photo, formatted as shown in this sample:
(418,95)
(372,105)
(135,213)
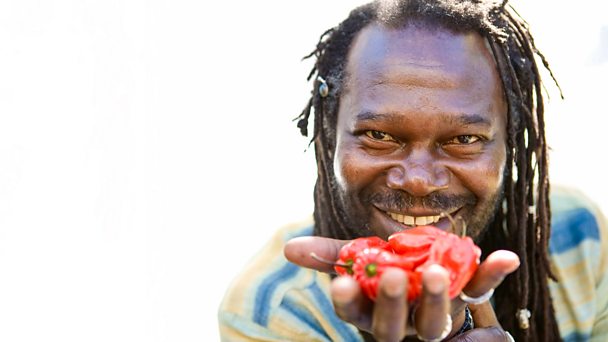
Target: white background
(147,151)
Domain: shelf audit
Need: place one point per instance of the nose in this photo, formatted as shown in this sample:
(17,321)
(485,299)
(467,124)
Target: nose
(418,174)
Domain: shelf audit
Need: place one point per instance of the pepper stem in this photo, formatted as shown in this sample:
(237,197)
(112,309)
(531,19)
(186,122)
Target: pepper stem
(328,262)
(463,233)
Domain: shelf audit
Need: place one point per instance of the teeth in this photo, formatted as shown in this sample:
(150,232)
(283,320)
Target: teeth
(411,220)
(421,221)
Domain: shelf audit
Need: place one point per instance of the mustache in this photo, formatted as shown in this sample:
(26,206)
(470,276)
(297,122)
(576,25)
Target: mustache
(395,200)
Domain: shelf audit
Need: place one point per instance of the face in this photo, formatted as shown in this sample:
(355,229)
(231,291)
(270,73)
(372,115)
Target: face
(421,131)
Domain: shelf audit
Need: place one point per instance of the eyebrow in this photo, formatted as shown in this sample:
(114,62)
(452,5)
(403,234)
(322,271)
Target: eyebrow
(371,116)
(467,119)
(464,119)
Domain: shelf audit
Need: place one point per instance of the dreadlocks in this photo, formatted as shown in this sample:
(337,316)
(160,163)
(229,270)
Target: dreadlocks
(522,224)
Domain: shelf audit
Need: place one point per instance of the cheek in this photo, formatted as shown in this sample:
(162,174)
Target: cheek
(347,170)
(483,177)
(354,170)
(492,176)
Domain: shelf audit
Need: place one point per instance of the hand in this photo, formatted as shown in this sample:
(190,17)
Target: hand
(488,330)
(387,318)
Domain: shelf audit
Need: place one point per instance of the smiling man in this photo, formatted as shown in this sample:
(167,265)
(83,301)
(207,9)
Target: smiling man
(421,130)
(421,108)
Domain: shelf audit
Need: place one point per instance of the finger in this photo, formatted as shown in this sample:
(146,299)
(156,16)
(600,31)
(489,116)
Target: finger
(390,310)
(297,250)
(492,272)
(483,315)
(430,318)
(350,303)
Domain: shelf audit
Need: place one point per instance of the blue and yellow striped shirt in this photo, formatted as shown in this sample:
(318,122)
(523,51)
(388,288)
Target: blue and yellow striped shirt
(274,300)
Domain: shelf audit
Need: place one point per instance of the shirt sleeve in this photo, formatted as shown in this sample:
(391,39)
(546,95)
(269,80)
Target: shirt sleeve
(275,300)
(600,326)
(578,248)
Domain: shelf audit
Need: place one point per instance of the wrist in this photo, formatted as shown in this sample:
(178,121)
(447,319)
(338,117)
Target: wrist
(468,323)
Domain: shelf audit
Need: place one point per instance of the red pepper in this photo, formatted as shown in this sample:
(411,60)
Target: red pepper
(459,256)
(371,263)
(411,250)
(414,244)
(349,252)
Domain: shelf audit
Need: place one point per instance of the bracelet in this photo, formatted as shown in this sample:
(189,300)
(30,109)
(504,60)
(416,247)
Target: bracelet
(468,322)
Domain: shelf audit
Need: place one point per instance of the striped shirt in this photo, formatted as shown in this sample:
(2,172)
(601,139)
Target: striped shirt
(275,300)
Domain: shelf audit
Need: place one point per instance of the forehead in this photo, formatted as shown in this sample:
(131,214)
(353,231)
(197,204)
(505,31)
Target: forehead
(421,56)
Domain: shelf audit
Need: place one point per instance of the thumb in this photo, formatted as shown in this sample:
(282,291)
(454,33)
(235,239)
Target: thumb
(298,250)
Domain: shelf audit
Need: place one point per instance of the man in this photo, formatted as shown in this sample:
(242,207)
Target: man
(425,107)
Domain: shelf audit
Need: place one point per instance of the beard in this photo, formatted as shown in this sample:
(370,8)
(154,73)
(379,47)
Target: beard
(477,214)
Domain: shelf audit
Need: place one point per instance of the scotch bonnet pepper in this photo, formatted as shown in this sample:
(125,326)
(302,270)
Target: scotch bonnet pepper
(412,250)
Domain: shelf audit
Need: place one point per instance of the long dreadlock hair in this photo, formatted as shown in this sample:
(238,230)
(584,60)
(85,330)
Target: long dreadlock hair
(522,224)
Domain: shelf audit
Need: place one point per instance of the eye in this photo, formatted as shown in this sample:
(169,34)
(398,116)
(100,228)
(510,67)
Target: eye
(464,140)
(378,135)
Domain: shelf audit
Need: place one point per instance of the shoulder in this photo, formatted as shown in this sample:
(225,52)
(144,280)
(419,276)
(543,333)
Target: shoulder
(254,288)
(273,299)
(575,220)
(578,245)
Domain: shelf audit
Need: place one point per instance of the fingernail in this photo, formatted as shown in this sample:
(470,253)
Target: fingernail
(393,284)
(342,290)
(435,279)
(394,289)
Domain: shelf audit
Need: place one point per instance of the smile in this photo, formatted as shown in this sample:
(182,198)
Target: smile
(414,220)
